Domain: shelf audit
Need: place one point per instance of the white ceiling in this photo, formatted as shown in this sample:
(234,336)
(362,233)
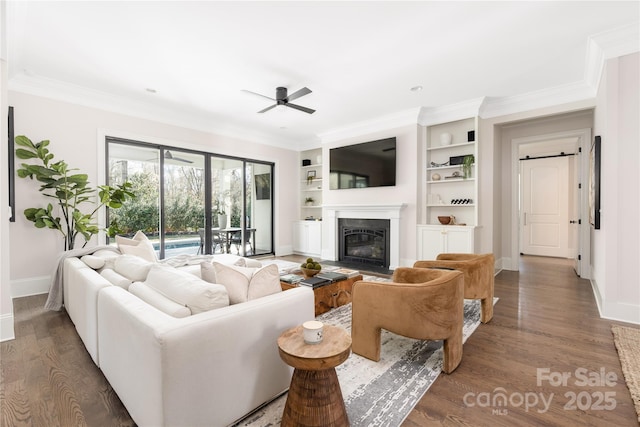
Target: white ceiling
(359,58)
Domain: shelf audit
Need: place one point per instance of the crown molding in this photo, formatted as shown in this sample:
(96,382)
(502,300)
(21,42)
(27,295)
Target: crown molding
(78,95)
(606,45)
(449,113)
(565,94)
(390,121)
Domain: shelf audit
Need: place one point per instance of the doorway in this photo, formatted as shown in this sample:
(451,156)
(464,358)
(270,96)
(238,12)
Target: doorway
(538,236)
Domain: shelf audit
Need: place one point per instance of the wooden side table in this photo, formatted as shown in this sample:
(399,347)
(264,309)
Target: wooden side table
(331,295)
(315,398)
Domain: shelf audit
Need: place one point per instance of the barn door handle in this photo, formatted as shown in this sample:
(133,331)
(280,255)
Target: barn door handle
(525,218)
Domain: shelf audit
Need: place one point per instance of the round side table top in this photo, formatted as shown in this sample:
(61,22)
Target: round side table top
(332,351)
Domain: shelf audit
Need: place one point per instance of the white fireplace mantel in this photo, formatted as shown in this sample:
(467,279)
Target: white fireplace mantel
(331,214)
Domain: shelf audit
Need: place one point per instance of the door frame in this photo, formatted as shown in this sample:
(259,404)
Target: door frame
(584,234)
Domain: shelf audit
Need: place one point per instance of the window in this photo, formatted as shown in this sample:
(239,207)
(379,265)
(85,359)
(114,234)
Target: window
(191,202)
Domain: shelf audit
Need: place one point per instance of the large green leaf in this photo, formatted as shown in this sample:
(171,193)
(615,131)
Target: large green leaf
(23,154)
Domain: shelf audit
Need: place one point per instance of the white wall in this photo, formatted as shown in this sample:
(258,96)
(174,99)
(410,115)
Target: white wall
(405,190)
(616,246)
(74,134)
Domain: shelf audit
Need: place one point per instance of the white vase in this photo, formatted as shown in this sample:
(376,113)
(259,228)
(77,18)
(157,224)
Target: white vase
(446,138)
(222,221)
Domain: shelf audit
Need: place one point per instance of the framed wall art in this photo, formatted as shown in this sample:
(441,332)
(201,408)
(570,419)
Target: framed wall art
(594,183)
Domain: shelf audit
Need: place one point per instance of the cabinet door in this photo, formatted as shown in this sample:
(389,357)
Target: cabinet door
(298,237)
(430,242)
(458,240)
(314,238)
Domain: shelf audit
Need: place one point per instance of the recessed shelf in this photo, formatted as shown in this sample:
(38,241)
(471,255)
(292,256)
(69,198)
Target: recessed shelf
(446,147)
(448,205)
(444,181)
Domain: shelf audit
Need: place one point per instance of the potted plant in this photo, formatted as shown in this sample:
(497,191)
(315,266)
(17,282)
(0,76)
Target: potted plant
(220,212)
(71,191)
(467,162)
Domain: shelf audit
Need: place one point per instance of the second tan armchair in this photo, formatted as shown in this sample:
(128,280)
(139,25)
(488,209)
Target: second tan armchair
(419,303)
(478,276)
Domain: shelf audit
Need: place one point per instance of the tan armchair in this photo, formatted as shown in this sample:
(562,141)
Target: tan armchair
(419,303)
(478,276)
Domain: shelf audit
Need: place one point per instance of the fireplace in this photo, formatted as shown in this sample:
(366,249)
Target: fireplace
(332,214)
(364,241)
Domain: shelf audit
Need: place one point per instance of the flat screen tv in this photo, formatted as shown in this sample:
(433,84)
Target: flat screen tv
(369,164)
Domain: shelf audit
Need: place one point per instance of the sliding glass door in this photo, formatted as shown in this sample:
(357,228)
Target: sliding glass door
(192,202)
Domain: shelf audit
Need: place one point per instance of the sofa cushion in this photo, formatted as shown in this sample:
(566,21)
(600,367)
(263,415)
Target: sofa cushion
(187,289)
(159,301)
(139,245)
(92,261)
(242,283)
(132,267)
(108,256)
(115,278)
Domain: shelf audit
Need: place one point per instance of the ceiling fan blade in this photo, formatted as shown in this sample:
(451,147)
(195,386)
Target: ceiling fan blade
(298,107)
(169,156)
(297,94)
(257,94)
(268,108)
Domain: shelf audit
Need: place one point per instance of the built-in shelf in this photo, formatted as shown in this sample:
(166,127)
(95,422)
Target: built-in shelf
(450,146)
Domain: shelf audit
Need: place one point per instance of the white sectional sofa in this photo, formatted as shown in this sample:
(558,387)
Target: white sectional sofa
(206,369)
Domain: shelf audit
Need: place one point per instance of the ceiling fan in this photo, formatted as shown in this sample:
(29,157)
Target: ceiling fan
(168,155)
(283,99)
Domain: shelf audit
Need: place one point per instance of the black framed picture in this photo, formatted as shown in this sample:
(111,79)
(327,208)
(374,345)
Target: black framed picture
(12,175)
(594,183)
(263,186)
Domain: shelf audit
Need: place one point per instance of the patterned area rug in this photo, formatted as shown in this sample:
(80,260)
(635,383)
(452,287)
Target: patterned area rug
(379,393)
(627,341)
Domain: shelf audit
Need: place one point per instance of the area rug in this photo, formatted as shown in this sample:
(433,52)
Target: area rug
(627,341)
(379,393)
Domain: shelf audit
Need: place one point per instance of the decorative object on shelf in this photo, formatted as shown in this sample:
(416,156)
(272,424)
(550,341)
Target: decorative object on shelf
(456,160)
(306,162)
(444,220)
(461,201)
(467,162)
(439,165)
(310,268)
(309,201)
(319,159)
(471,136)
(310,176)
(435,177)
(446,138)
(454,175)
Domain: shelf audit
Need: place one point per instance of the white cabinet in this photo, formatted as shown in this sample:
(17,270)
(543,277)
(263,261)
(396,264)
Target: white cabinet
(311,184)
(307,237)
(436,239)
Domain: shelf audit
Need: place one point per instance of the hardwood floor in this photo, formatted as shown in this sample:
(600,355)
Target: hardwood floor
(546,318)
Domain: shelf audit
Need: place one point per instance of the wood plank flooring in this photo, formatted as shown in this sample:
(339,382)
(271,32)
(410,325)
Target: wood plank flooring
(546,318)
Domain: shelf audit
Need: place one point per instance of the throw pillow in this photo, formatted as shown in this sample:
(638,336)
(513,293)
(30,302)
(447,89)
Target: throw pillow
(94,262)
(139,246)
(242,283)
(108,256)
(115,278)
(132,267)
(265,281)
(248,262)
(159,301)
(187,289)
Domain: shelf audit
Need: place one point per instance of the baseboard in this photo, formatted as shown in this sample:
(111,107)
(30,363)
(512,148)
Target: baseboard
(619,311)
(6,327)
(30,286)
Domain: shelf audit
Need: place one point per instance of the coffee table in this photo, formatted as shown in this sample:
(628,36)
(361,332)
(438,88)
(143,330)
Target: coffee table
(315,398)
(331,295)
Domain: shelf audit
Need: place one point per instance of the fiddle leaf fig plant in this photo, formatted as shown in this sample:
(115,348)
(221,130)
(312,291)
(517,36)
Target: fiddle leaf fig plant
(69,190)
